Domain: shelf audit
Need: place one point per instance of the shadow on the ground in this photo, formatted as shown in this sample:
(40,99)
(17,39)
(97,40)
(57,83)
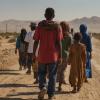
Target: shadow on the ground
(24,93)
(19,99)
(62,92)
(38,99)
(36,93)
(14,85)
(13,99)
(9,73)
(33,93)
(7,70)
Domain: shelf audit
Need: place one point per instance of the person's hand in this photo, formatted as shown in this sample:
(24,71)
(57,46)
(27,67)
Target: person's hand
(60,61)
(15,51)
(68,62)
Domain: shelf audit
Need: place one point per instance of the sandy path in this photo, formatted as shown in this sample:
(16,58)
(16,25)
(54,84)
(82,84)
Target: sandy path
(16,85)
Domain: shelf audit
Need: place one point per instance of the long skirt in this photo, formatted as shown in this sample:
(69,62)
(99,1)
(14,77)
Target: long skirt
(35,69)
(88,66)
(61,70)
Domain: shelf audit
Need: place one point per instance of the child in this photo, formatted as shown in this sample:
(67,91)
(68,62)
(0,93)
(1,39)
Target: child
(66,43)
(77,59)
(20,46)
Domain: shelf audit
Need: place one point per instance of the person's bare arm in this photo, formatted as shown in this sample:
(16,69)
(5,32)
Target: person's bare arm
(34,49)
(70,55)
(59,44)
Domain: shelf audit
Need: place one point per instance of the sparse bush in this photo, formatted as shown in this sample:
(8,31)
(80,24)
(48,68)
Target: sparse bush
(12,40)
(0,37)
(7,35)
(96,35)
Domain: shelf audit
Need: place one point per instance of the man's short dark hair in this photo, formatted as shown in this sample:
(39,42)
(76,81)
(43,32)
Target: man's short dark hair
(49,13)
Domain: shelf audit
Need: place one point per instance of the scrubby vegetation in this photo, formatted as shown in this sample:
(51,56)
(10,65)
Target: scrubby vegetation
(7,35)
(11,40)
(10,36)
(0,37)
(96,35)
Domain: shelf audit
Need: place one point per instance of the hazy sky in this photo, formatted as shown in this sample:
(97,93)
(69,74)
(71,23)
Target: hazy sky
(34,9)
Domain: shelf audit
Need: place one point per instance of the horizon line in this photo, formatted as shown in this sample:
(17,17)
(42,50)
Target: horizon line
(41,19)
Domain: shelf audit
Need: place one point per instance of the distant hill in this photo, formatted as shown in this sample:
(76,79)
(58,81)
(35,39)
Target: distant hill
(93,23)
(12,25)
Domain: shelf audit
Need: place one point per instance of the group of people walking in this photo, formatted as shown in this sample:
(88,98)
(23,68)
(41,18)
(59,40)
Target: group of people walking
(49,48)
(24,46)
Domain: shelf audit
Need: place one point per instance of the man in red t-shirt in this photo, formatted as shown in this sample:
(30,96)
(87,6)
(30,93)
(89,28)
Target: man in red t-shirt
(48,35)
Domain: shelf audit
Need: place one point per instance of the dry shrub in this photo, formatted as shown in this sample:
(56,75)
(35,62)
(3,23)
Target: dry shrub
(0,37)
(7,37)
(12,40)
(96,35)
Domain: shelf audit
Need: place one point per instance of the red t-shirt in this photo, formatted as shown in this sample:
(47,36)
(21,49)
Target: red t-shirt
(47,35)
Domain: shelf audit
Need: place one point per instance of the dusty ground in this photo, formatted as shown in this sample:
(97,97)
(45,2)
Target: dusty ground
(16,85)
(7,56)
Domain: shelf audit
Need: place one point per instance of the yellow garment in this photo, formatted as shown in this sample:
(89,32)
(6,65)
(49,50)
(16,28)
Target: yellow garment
(61,71)
(77,59)
(35,67)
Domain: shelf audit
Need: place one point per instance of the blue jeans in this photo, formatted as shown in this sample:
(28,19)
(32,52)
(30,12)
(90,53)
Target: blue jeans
(42,72)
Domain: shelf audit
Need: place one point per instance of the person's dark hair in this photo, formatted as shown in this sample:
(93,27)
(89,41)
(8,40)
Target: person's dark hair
(49,13)
(77,36)
(65,26)
(72,30)
(33,26)
(23,34)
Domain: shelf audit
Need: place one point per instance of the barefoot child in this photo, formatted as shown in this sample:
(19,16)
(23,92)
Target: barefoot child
(77,60)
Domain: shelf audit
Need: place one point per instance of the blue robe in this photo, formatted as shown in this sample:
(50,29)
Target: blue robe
(87,41)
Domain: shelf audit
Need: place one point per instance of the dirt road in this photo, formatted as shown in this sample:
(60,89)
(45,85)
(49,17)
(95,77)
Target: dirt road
(16,85)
